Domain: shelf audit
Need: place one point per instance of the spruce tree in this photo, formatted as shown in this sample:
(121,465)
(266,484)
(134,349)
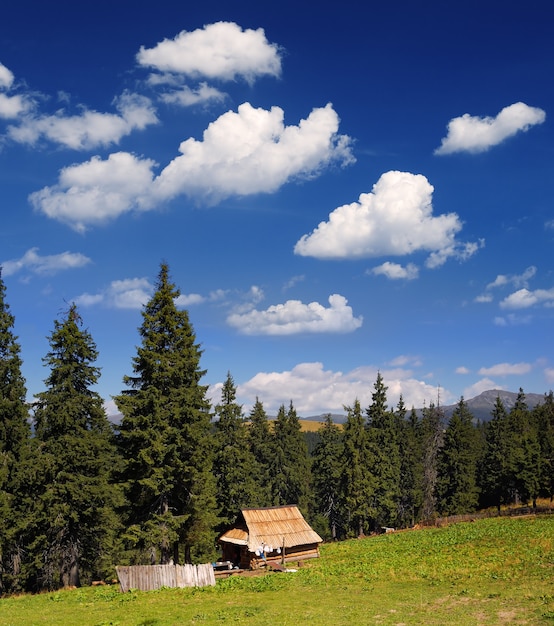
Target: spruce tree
(432,431)
(457,491)
(14,447)
(234,465)
(357,485)
(411,467)
(383,444)
(166,440)
(543,417)
(261,445)
(525,455)
(495,479)
(290,471)
(326,472)
(73,522)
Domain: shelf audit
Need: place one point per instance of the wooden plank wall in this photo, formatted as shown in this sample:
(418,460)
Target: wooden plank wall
(149,577)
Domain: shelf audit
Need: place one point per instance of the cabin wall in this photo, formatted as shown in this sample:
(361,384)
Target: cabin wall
(296,553)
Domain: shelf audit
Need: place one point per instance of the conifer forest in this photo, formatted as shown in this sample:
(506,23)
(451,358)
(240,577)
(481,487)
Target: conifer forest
(79,494)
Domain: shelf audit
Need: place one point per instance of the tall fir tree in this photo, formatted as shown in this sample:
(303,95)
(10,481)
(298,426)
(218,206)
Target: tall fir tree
(261,445)
(383,444)
(357,485)
(166,440)
(73,522)
(291,471)
(14,447)
(494,474)
(525,456)
(326,473)
(543,417)
(234,464)
(456,488)
(411,467)
(432,431)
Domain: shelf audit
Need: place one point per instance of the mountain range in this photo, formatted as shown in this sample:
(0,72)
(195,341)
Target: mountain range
(480,406)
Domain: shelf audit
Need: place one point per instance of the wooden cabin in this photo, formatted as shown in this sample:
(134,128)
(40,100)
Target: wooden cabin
(269,536)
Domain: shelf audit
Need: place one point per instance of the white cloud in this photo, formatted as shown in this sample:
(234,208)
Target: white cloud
(395,271)
(405,359)
(129,293)
(314,390)
(243,153)
(252,151)
(134,293)
(48,264)
(185,300)
(293,281)
(512,320)
(462,370)
(295,317)
(96,191)
(396,218)
(477,134)
(90,129)
(10,106)
(481,385)
(218,51)
(6,77)
(506,369)
(188,97)
(525,299)
(549,375)
(517,280)
(484,298)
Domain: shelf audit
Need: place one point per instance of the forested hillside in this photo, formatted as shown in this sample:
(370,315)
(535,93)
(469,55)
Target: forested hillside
(78,494)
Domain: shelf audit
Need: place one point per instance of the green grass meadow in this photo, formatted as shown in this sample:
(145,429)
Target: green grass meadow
(492,571)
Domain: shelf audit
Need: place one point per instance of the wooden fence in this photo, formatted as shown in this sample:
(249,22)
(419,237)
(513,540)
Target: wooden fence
(149,577)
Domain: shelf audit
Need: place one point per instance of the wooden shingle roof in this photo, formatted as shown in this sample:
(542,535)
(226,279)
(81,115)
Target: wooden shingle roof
(278,526)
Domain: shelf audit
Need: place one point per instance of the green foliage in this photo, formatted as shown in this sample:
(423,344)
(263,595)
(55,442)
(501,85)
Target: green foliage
(357,484)
(165,437)
(385,453)
(72,522)
(456,488)
(260,441)
(234,465)
(290,464)
(326,471)
(14,448)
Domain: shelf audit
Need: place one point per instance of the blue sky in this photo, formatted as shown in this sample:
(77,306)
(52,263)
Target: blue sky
(337,191)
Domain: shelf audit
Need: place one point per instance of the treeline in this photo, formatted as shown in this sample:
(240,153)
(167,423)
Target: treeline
(78,496)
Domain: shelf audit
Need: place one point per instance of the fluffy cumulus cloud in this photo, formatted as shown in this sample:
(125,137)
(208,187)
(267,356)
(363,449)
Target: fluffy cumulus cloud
(33,262)
(395,271)
(252,151)
(507,280)
(187,96)
(469,133)
(247,152)
(11,106)
(315,390)
(481,385)
(395,218)
(525,299)
(89,129)
(221,51)
(506,369)
(96,191)
(129,293)
(295,317)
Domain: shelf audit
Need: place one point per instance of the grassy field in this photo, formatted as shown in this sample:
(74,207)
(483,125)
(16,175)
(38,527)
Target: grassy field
(494,571)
